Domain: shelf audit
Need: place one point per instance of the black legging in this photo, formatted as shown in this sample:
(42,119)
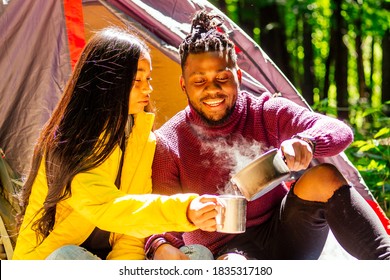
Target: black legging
(300,228)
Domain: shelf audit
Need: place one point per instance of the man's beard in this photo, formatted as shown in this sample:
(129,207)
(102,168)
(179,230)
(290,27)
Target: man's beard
(209,121)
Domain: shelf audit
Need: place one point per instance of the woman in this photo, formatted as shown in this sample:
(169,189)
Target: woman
(88,193)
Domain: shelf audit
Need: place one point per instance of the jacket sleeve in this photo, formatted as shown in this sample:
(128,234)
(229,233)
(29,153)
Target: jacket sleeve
(98,200)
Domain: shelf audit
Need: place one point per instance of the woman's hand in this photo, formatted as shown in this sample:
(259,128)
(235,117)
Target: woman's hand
(202,211)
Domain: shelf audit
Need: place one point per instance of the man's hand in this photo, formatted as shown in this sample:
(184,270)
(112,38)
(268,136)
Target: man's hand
(169,252)
(298,154)
(202,212)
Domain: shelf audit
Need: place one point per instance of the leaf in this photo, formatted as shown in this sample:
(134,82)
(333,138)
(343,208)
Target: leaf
(382,132)
(359,143)
(367,147)
(370,111)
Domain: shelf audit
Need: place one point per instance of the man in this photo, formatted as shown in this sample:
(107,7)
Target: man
(197,148)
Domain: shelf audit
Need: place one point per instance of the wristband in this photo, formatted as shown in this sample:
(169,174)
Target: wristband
(154,246)
(308,139)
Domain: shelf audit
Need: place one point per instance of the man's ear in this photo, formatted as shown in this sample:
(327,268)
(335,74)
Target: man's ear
(239,75)
(182,84)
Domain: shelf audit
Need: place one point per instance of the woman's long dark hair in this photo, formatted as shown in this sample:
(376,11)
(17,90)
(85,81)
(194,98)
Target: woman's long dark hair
(89,120)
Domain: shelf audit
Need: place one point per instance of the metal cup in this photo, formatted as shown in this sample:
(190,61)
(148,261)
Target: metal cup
(231,217)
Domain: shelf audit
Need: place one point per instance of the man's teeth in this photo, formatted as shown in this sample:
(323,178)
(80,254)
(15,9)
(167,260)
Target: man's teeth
(213,103)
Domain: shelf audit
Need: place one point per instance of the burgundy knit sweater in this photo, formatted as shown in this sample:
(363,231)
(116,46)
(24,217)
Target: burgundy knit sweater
(192,156)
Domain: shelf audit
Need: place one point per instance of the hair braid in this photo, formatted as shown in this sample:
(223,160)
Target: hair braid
(205,36)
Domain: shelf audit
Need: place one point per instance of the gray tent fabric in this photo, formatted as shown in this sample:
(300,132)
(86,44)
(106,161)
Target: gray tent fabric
(34,67)
(170,21)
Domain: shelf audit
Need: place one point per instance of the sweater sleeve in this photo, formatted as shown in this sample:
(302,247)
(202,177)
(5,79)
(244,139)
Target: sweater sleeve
(174,238)
(284,119)
(165,174)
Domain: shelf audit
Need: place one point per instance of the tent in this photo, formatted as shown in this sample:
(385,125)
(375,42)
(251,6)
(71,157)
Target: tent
(40,42)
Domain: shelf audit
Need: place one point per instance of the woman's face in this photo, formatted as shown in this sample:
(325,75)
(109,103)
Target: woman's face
(140,93)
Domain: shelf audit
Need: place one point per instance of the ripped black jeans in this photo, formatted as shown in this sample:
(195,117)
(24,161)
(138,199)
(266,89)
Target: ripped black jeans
(300,228)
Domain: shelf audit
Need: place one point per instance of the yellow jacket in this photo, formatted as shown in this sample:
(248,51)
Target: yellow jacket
(96,201)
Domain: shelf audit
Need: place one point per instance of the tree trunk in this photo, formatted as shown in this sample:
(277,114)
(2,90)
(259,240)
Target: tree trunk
(341,63)
(386,71)
(246,11)
(328,65)
(273,38)
(221,4)
(372,68)
(308,67)
(363,89)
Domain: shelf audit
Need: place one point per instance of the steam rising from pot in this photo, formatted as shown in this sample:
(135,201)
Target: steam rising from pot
(234,155)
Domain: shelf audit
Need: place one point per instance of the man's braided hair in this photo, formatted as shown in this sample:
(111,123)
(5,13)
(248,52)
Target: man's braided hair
(206,36)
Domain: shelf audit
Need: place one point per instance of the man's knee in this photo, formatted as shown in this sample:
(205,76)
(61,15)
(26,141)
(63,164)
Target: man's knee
(197,252)
(319,183)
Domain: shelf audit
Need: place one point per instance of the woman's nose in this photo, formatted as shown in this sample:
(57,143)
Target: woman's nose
(147,89)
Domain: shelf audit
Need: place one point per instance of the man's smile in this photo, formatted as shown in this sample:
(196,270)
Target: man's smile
(214,102)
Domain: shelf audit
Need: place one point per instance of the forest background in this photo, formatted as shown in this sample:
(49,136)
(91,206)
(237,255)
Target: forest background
(337,54)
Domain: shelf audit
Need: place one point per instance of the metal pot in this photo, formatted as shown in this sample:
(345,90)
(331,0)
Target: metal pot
(261,175)
(231,217)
